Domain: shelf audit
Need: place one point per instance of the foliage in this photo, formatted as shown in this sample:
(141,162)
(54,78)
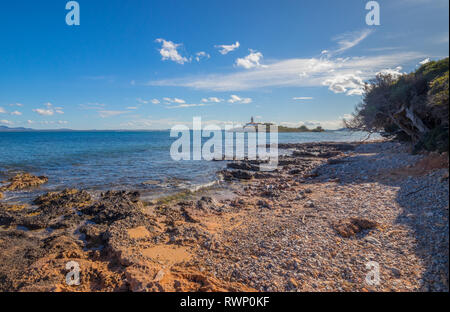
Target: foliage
(300,129)
(411,107)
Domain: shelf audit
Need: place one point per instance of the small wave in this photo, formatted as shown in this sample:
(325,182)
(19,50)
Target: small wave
(199,187)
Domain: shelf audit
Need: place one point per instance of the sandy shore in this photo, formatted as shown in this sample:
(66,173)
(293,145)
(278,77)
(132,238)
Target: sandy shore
(316,224)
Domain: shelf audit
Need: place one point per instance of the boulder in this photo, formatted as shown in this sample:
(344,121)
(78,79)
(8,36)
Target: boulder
(352,226)
(67,199)
(114,206)
(23,181)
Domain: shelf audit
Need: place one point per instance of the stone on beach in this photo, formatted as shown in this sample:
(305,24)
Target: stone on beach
(352,226)
(261,237)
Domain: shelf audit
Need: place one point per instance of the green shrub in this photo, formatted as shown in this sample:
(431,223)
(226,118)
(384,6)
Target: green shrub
(412,107)
(436,139)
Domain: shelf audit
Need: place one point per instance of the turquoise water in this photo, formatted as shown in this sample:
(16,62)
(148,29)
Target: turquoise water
(104,160)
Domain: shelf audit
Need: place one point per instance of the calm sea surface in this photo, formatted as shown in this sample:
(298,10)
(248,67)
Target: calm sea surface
(103,160)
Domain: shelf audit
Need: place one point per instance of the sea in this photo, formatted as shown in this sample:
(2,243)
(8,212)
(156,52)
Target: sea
(117,160)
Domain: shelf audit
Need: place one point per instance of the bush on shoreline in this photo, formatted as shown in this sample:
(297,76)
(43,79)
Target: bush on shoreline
(411,107)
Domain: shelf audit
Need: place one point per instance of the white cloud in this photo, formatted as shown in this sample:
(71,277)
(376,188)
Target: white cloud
(6,122)
(132,107)
(350,84)
(2,110)
(326,124)
(44,112)
(395,73)
(151,123)
(169,51)
(179,101)
(155,101)
(186,106)
(49,111)
(303,74)
(236,99)
(63,122)
(110,113)
(174,100)
(301,98)
(201,55)
(286,73)
(250,61)
(425,61)
(225,49)
(212,100)
(95,106)
(349,40)
(16,104)
(142,101)
(16,113)
(165,123)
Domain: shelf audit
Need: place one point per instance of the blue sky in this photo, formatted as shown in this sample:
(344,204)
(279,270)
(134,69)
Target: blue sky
(152,64)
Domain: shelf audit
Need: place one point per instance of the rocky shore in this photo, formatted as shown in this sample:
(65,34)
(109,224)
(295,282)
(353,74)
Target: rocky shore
(318,223)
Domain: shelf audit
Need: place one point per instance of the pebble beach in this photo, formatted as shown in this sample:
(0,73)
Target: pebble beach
(319,223)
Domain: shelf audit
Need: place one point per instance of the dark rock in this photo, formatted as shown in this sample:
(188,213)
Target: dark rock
(295,171)
(242,166)
(57,203)
(349,228)
(115,205)
(239,175)
(23,181)
(263,204)
(95,234)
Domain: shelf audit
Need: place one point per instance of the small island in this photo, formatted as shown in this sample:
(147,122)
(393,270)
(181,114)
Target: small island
(253,124)
(300,129)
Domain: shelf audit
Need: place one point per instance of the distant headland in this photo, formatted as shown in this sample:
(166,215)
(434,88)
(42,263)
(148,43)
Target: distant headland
(253,124)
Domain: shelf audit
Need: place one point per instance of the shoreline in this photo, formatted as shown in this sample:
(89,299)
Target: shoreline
(311,226)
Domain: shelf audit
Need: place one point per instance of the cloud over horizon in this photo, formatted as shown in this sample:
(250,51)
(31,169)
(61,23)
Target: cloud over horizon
(339,74)
(49,111)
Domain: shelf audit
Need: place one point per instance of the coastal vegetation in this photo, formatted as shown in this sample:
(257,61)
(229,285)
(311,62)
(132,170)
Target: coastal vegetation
(300,129)
(410,107)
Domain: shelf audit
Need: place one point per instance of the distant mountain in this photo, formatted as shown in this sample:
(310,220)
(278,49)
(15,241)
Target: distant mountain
(22,129)
(8,129)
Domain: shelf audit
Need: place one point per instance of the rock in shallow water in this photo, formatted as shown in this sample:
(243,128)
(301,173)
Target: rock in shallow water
(23,181)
